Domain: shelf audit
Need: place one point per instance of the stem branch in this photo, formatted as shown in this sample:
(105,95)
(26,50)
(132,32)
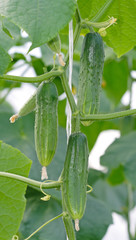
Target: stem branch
(108,116)
(40,78)
(34,183)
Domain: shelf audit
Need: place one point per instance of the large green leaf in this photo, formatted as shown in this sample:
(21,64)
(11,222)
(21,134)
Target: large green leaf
(95,221)
(120,159)
(119,151)
(41,19)
(5,41)
(4,60)
(115,197)
(121,37)
(130,169)
(116,77)
(12,201)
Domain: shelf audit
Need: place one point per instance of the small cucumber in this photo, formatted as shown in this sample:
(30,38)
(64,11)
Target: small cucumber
(55,44)
(46,123)
(90,76)
(26,109)
(75,176)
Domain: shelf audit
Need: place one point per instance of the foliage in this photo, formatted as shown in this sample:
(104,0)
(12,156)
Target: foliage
(22,211)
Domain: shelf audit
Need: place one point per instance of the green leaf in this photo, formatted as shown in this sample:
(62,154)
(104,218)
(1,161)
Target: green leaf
(61,113)
(120,159)
(7,42)
(94,175)
(12,201)
(116,77)
(93,131)
(116,176)
(119,151)
(115,197)
(4,60)
(122,36)
(95,221)
(130,169)
(37,213)
(41,19)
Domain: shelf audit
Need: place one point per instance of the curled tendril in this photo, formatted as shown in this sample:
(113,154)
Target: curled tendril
(47,196)
(91,189)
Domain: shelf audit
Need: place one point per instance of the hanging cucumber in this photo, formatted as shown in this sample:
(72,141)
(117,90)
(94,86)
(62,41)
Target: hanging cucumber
(26,109)
(46,124)
(75,176)
(55,45)
(90,76)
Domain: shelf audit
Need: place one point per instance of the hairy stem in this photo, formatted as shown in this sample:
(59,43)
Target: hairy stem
(31,182)
(107,116)
(40,78)
(68,93)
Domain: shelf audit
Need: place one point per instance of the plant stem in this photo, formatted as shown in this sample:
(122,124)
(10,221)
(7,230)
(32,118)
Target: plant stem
(107,116)
(68,93)
(40,78)
(34,183)
(76,123)
(38,229)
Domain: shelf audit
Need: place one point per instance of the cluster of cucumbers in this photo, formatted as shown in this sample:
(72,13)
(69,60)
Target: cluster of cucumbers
(45,102)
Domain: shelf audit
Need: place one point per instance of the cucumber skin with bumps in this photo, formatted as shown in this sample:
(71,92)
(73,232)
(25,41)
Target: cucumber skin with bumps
(75,175)
(46,122)
(90,76)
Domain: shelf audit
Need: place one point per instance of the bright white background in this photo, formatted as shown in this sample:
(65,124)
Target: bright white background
(17,98)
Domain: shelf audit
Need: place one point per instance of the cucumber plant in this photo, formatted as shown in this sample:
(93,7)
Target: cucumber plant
(69,192)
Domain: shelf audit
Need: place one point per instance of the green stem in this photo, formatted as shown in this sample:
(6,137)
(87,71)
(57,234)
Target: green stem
(76,123)
(68,93)
(107,116)
(40,78)
(34,183)
(38,229)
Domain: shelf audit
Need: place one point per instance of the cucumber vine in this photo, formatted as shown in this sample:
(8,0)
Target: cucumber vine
(73,186)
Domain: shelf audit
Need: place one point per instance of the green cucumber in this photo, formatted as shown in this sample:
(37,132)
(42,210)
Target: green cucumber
(55,44)
(26,109)
(46,123)
(75,176)
(90,76)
